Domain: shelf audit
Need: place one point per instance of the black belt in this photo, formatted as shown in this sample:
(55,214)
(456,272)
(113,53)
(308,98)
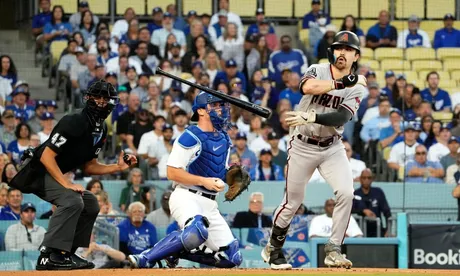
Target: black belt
(323,144)
(211,197)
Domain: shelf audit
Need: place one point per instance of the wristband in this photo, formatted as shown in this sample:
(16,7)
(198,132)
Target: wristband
(339,84)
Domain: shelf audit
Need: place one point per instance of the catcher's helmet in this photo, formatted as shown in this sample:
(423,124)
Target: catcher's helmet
(346,38)
(202,100)
(99,112)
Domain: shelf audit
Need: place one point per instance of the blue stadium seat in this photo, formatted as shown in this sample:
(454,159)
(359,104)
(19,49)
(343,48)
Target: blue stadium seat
(30,259)
(11,261)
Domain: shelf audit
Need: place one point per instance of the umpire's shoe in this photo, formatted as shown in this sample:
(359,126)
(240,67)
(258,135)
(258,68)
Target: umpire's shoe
(53,259)
(334,257)
(80,263)
(275,257)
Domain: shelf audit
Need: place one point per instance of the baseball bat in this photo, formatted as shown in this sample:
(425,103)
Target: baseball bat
(254,108)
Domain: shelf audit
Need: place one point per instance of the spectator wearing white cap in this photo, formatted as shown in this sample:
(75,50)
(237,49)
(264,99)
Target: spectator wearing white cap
(78,67)
(232,17)
(413,36)
(46,121)
(216,29)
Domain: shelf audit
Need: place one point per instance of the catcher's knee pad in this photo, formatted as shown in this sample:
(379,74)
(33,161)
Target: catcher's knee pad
(195,232)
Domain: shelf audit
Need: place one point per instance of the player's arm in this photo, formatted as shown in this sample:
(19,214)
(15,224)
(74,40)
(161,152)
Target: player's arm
(456,192)
(93,167)
(48,159)
(310,85)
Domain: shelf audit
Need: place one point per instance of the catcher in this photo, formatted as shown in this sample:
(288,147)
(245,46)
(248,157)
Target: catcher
(197,167)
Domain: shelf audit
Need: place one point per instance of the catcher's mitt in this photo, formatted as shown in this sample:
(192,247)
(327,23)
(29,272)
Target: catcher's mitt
(238,180)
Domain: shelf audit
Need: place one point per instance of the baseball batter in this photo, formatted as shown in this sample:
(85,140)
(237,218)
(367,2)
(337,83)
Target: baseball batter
(332,94)
(197,166)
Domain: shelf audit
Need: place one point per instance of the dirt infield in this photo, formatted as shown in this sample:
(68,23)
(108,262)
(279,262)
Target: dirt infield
(231,272)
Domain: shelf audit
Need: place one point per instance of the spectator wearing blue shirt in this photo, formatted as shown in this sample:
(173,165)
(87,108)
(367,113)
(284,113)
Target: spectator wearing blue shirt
(390,80)
(292,92)
(286,58)
(371,129)
(57,29)
(413,36)
(420,170)
(40,20)
(247,156)
(157,20)
(439,99)
(349,24)
(179,21)
(447,36)
(17,147)
(136,234)
(253,29)
(8,70)
(371,202)
(266,170)
(372,99)
(13,210)
(382,34)
(392,134)
(104,53)
(122,106)
(191,15)
(310,18)
(19,103)
(230,72)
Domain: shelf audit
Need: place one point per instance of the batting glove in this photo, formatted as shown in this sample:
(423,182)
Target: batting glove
(297,118)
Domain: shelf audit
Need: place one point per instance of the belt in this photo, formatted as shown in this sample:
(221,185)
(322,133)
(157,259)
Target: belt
(211,197)
(323,144)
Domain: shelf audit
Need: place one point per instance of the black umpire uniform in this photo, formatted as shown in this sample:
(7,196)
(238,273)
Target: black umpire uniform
(76,139)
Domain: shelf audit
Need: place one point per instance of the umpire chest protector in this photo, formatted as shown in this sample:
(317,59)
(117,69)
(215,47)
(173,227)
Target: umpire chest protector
(210,160)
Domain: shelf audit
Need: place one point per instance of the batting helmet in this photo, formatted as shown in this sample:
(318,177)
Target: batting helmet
(343,38)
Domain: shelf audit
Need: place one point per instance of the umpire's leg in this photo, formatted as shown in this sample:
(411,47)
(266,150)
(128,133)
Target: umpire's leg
(86,221)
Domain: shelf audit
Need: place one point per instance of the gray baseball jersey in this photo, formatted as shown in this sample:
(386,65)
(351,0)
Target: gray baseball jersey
(330,160)
(349,98)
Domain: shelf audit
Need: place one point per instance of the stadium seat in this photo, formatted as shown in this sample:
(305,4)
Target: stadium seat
(410,75)
(442,116)
(455,75)
(442,74)
(276,8)
(394,64)
(303,36)
(243,7)
(420,83)
(419,53)
(367,53)
(301,7)
(323,60)
(11,260)
(70,6)
(381,82)
(137,5)
(380,74)
(366,24)
(400,25)
(447,83)
(264,71)
(151,4)
(371,8)
(405,8)
(386,153)
(337,23)
(99,6)
(30,259)
(373,64)
(444,53)
(386,53)
(419,65)
(439,8)
(431,36)
(431,25)
(56,49)
(451,64)
(200,6)
(340,8)
(452,90)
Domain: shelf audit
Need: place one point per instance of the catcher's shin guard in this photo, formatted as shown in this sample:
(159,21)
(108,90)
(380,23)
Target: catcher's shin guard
(192,236)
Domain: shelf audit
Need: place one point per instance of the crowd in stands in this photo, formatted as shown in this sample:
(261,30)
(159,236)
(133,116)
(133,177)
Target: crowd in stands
(256,65)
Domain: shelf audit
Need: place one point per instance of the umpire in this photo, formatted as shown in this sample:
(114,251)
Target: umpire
(75,142)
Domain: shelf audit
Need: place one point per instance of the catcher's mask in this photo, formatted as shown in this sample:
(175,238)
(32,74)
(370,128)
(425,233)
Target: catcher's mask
(345,38)
(100,99)
(218,110)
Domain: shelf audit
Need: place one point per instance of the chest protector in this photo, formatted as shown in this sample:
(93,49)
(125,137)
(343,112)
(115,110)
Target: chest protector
(210,161)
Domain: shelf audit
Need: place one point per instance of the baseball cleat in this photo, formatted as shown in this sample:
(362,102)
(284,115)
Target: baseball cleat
(80,263)
(335,258)
(275,257)
(171,261)
(139,261)
(50,259)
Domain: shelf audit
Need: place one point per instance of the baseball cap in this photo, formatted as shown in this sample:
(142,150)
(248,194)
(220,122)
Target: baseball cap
(401,76)
(180,112)
(409,126)
(111,74)
(331,28)
(157,10)
(192,13)
(99,66)
(272,136)
(123,41)
(143,74)
(449,16)
(19,90)
(178,104)
(197,63)
(389,74)
(241,135)
(370,73)
(167,126)
(251,38)
(8,113)
(413,18)
(123,89)
(396,111)
(223,13)
(39,103)
(27,206)
(130,67)
(52,103)
(454,139)
(47,116)
(175,45)
(176,85)
(260,11)
(83,4)
(167,14)
(22,82)
(264,22)
(230,63)
(316,2)
(79,50)
(265,151)
(373,85)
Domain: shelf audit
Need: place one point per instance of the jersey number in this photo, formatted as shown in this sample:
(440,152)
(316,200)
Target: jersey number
(58,140)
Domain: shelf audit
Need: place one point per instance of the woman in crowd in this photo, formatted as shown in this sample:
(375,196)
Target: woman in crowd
(8,70)
(349,24)
(131,35)
(164,83)
(3,161)
(165,106)
(78,37)
(426,123)
(434,134)
(9,172)
(399,88)
(264,51)
(95,186)
(197,52)
(87,27)
(57,29)
(255,129)
(212,64)
(230,45)
(153,102)
(22,142)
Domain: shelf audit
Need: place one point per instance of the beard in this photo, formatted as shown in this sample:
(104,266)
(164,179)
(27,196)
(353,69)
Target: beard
(103,50)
